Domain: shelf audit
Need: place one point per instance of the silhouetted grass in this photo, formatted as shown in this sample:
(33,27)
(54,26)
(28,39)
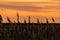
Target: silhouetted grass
(29,31)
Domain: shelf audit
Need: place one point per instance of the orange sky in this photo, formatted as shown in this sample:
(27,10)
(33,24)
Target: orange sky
(26,0)
(42,9)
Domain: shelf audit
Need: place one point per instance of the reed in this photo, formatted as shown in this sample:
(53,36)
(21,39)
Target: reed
(34,31)
(18,17)
(38,21)
(1,19)
(47,21)
(29,19)
(9,21)
(24,21)
(53,20)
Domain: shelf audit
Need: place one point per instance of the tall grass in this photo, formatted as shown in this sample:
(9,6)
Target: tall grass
(9,21)
(29,19)
(1,19)
(38,21)
(34,31)
(53,20)
(17,17)
(24,21)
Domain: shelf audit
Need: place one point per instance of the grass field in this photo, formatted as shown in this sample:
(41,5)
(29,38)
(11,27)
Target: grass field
(29,31)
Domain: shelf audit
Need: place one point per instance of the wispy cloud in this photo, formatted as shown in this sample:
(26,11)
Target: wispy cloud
(47,8)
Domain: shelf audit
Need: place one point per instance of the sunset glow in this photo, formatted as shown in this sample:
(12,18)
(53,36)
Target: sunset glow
(35,8)
(26,0)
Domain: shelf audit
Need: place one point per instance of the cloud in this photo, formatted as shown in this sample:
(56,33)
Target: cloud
(31,8)
(28,8)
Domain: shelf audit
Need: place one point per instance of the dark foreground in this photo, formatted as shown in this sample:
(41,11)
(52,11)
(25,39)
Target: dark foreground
(32,31)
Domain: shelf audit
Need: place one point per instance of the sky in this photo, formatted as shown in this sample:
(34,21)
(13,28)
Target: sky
(25,0)
(41,9)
